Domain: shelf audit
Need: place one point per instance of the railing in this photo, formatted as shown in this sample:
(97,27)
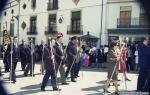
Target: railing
(50,30)
(132,23)
(32,31)
(75,30)
(52,6)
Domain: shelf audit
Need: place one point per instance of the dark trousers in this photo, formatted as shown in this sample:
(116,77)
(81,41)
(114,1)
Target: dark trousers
(142,79)
(147,86)
(29,68)
(6,64)
(77,68)
(23,64)
(70,68)
(129,64)
(49,72)
(13,74)
(61,69)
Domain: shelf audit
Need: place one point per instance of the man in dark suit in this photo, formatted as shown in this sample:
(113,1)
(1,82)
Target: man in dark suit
(15,57)
(41,53)
(59,57)
(23,55)
(144,64)
(71,56)
(49,68)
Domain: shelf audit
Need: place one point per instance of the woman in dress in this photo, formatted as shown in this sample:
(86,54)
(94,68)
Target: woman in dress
(112,66)
(123,68)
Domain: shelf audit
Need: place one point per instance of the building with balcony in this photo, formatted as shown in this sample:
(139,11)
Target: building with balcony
(40,19)
(126,20)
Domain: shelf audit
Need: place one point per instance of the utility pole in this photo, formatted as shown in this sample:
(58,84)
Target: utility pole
(101,27)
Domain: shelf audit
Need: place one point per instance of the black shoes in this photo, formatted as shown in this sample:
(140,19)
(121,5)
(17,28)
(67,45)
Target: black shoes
(73,80)
(14,82)
(56,89)
(65,83)
(42,89)
(116,93)
(106,91)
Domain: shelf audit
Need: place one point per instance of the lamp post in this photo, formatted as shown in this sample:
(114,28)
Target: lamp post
(12,27)
(101,27)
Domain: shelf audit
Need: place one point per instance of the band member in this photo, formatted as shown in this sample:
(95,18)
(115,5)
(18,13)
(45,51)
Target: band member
(49,68)
(59,57)
(30,57)
(78,61)
(23,55)
(5,58)
(71,56)
(15,56)
(41,53)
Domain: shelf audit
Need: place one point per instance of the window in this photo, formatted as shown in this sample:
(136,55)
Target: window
(12,11)
(5,13)
(33,22)
(143,19)
(75,22)
(52,23)
(52,5)
(125,15)
(33,4)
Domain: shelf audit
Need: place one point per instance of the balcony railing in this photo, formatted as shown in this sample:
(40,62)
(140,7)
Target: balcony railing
(50,30)
(75,30)
(132,23)
(52,6)
(32,31)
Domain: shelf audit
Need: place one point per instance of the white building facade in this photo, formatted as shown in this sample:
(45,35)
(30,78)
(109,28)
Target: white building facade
(126,21)
(40,19)
(105,19)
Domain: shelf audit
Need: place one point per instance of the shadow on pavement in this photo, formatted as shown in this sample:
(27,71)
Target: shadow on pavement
(32,86)
(26,92)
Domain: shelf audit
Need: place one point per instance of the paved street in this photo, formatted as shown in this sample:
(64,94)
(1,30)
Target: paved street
(90,82)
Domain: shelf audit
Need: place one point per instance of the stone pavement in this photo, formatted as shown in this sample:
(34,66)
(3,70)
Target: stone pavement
(90,82)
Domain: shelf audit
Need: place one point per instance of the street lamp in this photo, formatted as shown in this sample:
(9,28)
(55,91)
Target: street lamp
(12,27)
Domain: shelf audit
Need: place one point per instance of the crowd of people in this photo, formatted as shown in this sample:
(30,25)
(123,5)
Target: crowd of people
(117,58)
(54,57)
(97,58)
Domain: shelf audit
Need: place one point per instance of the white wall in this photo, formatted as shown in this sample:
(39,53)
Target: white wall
(90,17)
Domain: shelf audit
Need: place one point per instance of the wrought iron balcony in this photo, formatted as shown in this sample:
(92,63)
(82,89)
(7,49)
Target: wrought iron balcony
(132,23)
(32,31)
(52,6)
(75,30)
(50,30)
